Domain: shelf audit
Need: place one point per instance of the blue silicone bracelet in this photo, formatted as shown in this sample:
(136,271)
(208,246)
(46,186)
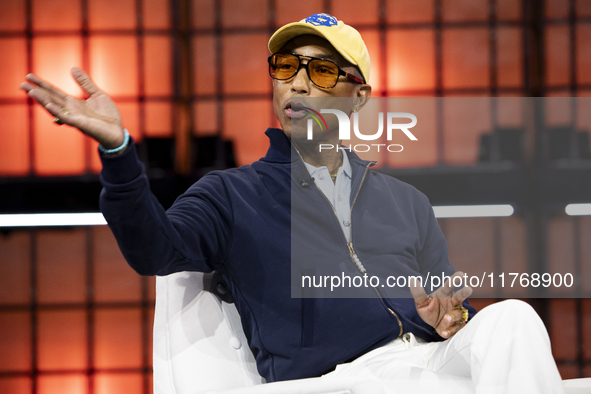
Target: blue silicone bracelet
(119,148)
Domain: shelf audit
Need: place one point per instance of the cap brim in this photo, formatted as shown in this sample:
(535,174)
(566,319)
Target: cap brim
(289,31)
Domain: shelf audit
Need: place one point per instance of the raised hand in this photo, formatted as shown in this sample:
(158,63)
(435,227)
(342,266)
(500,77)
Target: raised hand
(441,309)
(97,116)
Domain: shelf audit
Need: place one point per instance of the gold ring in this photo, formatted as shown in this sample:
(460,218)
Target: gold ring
(465,314)
(64,112)
(58,121)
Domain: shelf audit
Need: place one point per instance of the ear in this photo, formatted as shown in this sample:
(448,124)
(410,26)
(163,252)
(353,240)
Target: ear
(362,97)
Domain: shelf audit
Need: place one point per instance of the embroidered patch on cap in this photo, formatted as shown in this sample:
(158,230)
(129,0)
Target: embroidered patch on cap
(321,20)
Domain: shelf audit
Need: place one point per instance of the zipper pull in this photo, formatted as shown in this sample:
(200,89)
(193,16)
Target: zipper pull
(350,246)
(355,258)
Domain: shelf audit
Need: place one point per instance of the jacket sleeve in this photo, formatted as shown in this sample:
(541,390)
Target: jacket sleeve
(433,258)
(193,235)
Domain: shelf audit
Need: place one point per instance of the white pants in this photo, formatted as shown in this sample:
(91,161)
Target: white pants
(504,349)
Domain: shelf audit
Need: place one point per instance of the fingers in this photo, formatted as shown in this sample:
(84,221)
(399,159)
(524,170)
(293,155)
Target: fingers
(47,86)
(447,289)
(42,91)
(452,329)
(58,111)
(451,323)
(44,97)
(84,81)
(27,87)
(462,294)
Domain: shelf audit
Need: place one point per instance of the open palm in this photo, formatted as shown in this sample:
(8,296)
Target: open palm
(97,116)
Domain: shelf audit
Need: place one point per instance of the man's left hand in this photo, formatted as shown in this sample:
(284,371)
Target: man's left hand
(437,308)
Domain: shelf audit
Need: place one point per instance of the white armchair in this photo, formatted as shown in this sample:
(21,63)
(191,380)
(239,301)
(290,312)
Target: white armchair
(200,347)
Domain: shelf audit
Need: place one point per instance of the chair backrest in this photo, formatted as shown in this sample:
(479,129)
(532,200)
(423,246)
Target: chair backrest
(199,344)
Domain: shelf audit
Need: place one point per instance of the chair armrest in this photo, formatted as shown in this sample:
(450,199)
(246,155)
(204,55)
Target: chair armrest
(577,386)
(312,386)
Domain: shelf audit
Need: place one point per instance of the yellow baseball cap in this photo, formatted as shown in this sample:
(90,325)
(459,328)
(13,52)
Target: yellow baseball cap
(345,39)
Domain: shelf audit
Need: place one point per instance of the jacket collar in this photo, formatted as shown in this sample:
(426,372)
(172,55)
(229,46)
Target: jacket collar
(282,151)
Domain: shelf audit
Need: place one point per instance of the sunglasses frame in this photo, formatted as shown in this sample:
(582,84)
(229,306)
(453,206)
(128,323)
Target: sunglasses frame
(341,72)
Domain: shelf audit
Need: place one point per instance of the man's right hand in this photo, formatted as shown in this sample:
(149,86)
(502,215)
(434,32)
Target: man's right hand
(97,116)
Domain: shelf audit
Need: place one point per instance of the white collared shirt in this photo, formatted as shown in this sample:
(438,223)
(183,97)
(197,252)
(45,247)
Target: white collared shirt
(338,193)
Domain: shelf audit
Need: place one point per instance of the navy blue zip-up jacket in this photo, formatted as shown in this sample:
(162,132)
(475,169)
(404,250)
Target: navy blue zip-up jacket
(241,222)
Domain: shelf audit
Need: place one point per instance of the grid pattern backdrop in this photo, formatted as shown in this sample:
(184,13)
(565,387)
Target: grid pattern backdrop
(74,318)
(138,52)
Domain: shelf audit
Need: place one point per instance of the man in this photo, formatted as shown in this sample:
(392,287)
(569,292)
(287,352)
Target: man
(241,223)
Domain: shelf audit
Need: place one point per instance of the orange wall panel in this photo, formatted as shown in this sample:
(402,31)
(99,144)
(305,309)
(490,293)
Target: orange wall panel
(158,121)
(156,14)
(56,15)
(466,60)
(53,57)
(556,55)
(113,64)
(411,59)
(464,121)
(583,47)
(586,316)
(563,329)
(510,111)
(13,66)
(583,7)
(157,66)
(244,13)
(204,64)
(202,14)
(15,268)
(118,337)
(62,339)
(422,152)
(245,67)
(14,134)
(15,341)
(61,271)
(130,117)
(205,118)
(409,11)
(15,385)
(62,384)
(464,10)
(13,15)
(508,10)
(111,14)
(118,383)
(351,12)
(114,279)
(287,11)
(509,57)
(555,8)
